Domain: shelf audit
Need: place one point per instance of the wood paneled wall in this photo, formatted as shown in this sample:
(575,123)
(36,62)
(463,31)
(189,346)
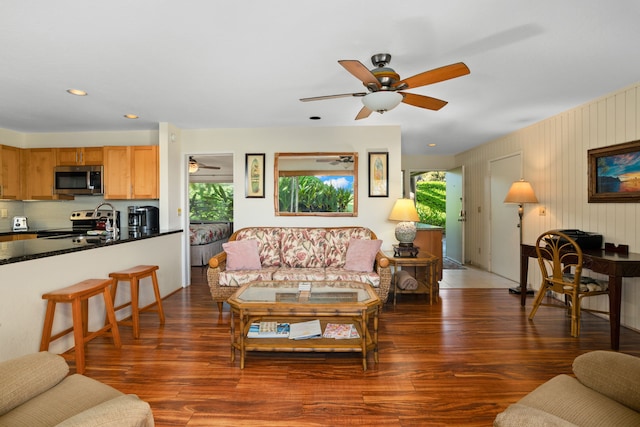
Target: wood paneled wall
(554,153)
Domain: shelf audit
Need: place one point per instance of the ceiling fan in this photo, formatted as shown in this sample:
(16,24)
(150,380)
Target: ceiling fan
(337,160)
(384,85)
(194,165)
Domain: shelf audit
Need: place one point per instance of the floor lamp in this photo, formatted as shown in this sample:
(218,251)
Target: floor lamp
(520,193)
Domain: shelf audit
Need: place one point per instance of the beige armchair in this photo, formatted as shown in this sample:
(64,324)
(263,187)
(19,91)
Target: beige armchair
(35,391)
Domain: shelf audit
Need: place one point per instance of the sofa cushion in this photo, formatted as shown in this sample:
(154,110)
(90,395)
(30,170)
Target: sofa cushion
(518,415)
(361,254)
(242,277)
(303,247)
(123,411)
(299,274)
(338,242)
(242,255)
(613,374)
(340,274)
(71,396)
(268,243)
(27,376)
(567,398)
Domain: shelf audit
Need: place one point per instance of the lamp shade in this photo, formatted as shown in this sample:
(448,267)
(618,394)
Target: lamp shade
(404,210)
(382,100)
(521,192)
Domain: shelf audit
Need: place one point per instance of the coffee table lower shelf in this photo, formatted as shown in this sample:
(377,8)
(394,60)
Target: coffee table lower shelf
(366,343)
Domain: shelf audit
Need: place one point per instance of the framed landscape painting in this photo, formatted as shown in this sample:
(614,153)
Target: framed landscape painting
(254,175)
(614,173)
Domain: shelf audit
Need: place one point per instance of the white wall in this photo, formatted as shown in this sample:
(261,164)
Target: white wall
(555,162)
(372,212)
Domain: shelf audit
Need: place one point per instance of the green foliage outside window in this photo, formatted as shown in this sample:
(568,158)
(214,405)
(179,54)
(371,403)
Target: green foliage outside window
(310,194)
(431,198)
(210,202)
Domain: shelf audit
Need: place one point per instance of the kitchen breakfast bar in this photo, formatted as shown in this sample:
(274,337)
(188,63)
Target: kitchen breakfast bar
(32,267)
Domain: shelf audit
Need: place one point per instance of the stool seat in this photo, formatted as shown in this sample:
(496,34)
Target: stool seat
(134,275)
(78,295)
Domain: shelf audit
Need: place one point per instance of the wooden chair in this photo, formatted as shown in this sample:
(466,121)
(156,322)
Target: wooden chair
(78,295)
(134,275)
(560,261)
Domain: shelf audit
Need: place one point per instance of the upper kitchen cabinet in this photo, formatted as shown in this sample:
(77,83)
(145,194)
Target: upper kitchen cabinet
(38,173)
(131,172)
(10,182)
(72,156)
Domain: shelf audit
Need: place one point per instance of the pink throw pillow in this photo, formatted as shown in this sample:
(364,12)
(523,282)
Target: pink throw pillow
(361,254)
(242,255)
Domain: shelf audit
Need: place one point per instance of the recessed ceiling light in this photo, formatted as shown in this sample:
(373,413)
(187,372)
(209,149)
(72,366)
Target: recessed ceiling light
(77,92)
(432,145)
(131,116)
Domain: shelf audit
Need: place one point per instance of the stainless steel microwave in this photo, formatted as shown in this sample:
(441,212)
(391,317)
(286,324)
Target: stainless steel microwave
(78,180)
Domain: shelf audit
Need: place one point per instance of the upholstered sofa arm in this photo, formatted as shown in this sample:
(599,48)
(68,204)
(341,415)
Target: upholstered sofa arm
(612,374)
(518,415)
(123,411)
(28,376)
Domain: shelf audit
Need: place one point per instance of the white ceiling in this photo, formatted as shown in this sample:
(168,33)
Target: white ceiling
(246,63)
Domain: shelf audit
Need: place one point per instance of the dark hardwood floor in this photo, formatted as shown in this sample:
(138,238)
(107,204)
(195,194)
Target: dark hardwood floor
(459,362)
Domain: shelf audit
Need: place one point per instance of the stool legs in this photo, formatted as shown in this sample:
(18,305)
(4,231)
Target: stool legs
(78,295)
(133,276)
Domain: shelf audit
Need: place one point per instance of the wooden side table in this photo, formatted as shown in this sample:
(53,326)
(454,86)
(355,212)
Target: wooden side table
(425,270)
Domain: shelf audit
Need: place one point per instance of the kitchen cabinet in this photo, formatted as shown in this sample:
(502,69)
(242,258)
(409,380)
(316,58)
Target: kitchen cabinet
(10,182)
(38,174)
(131,172)
(72,156)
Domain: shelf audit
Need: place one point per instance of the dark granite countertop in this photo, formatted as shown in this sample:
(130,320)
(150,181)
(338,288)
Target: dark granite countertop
(60,242)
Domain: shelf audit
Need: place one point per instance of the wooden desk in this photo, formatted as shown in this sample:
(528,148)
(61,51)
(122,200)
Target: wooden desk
(614,265)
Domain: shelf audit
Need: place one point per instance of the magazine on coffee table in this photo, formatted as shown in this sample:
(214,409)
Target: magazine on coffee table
(305,330)
(340,331)
(268,330)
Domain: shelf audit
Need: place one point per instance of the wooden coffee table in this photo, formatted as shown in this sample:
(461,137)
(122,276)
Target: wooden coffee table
(282,301)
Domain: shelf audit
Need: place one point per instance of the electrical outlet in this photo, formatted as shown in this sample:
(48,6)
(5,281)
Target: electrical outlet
(3,213)
(542,211)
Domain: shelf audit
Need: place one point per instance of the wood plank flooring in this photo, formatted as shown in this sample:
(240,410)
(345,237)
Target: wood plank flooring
(459,362)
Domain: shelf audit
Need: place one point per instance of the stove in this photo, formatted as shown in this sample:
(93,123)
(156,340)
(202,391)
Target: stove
(84,220)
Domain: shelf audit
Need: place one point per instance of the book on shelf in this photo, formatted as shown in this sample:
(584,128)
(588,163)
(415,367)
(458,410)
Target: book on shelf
(268,330)
(341,331)
(305,330)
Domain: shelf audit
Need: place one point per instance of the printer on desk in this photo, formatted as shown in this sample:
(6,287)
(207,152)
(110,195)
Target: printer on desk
(584,239)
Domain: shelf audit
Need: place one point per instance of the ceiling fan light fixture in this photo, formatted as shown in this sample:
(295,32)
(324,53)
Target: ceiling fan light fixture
(382,101)
(193,166)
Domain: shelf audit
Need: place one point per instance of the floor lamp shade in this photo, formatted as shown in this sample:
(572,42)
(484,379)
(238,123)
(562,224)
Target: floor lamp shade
(521,192)
(404,210)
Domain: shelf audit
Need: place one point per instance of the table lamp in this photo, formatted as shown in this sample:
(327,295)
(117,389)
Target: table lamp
(520,193)
(404,210)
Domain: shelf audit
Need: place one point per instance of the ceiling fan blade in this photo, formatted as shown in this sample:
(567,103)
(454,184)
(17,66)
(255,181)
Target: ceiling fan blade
(361,72)
(364,113)
(434,76)
(201,166)
(423,101)
(342,95)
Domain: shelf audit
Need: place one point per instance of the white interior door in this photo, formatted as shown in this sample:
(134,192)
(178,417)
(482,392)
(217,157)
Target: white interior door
(504,258)
(455,215)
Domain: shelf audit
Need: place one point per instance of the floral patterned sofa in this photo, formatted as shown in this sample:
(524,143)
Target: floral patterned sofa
(298,253)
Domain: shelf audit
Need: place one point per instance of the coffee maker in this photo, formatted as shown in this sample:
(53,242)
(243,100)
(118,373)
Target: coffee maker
(143,220)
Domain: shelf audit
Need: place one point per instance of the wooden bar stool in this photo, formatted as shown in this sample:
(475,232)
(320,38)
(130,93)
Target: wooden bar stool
(78,295)
(133,275)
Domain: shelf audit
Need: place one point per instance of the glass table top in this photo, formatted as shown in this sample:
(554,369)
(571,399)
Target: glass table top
(306,292)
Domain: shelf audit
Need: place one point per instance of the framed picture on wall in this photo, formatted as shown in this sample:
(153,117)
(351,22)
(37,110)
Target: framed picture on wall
(379,174)
(614,173)
(254,175)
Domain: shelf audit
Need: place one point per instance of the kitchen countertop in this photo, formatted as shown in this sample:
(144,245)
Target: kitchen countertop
(60,242)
